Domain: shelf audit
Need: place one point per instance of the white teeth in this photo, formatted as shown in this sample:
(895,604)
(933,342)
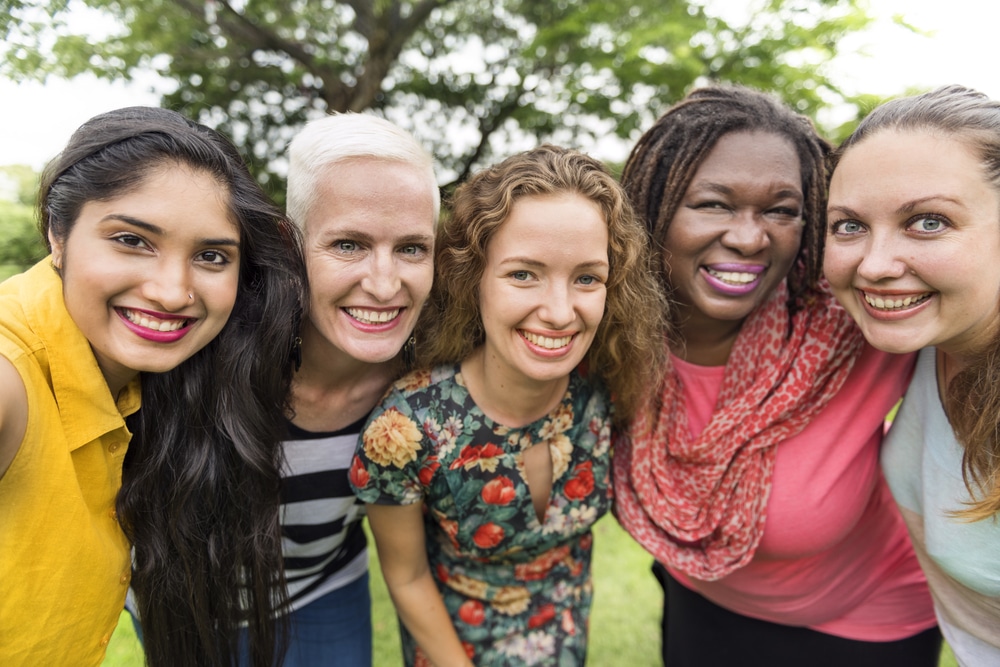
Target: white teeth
(154,324)
(373,316)
(895,304)
(734,277)
(546,342)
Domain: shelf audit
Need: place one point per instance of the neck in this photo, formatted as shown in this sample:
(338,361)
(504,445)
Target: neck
(333,389)
(510,398)
(706,341)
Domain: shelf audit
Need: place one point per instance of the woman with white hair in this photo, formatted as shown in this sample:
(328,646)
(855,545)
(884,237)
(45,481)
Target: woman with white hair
(364,194)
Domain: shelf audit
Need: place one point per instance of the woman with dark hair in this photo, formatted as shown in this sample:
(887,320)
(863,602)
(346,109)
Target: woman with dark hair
(913,253)
(485,474)
(174,277)
(772,408)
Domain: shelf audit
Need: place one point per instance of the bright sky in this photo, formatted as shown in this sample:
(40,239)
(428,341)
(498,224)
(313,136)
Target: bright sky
(36,120)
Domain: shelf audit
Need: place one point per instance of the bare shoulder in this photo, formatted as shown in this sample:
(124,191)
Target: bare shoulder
(13,413)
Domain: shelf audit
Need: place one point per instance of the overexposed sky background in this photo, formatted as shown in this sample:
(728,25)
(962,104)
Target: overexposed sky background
(36,119)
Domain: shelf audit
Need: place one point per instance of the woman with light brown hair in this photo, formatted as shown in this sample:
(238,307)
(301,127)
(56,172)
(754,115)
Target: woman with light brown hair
(913,253)
(485,473)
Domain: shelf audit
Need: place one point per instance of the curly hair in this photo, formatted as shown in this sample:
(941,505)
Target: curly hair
(200,482)
(663,163)
(628,345)
(972,399)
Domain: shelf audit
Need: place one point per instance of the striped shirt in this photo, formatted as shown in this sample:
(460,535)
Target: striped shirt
(323,543)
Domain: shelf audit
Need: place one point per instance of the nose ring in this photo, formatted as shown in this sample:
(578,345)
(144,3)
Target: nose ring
(190,296)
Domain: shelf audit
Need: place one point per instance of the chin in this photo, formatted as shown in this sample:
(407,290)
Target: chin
(895,344)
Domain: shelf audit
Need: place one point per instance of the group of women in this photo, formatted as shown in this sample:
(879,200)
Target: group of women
(711,346)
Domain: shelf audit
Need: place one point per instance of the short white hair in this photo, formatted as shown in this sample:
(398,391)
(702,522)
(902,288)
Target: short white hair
(343,136)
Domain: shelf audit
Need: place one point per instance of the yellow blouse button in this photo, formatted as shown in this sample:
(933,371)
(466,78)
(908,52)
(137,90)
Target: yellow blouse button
(113,447)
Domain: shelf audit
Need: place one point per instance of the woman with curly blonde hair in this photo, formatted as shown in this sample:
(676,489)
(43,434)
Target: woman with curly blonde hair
(485,473)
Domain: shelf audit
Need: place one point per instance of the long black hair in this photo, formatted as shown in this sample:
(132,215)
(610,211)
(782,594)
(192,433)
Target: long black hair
(199,496)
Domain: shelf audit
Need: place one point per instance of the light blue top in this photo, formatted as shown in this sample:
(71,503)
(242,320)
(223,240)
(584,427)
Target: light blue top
(922,462)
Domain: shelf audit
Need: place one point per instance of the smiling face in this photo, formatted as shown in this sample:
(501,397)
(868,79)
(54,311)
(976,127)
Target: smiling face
(543,289)
(737,231)
(913,249)
(150,277)
(369,241)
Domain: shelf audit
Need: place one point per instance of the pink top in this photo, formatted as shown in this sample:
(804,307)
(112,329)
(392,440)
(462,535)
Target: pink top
(835,555)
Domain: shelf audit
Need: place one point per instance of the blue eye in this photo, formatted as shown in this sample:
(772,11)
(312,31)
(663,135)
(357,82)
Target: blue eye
(927,225)
(520,275)
(846,227)
(414,250)
(346,246)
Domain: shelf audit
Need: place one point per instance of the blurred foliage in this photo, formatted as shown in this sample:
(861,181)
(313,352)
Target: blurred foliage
(472,79)
(20,244)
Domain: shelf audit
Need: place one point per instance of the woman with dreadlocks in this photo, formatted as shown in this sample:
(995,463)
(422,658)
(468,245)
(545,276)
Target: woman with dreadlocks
(772,408)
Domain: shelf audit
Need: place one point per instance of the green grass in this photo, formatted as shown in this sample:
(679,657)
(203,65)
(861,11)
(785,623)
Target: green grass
(624,625)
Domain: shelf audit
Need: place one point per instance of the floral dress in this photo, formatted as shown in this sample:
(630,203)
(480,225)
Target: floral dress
(518,591)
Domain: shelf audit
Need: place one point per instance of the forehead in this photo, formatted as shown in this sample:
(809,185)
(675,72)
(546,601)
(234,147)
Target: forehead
(556,225)
(751,154)
(373,195)
(909,163)
(176,198)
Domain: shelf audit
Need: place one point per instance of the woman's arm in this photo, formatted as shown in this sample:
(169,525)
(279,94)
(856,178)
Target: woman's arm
(399,535)
(13,413)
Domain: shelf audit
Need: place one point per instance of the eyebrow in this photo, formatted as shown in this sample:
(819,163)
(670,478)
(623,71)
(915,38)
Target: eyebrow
(909,206)
(365,237)
(791,193)
(154,229)
(527,261)
(905,209)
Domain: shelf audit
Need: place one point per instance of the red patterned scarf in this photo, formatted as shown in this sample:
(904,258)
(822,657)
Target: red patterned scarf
(699,504)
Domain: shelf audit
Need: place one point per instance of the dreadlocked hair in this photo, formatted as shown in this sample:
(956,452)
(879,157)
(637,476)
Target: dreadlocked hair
(663,163)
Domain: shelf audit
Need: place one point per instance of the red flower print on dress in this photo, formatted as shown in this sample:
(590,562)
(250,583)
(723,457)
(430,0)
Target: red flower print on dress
(542,616)
(539,568)
(471,612)
(568,626)
(498,491)
(581,484)
(485,456)
(450,528)
(426,473)
(359,476)
(488,535)
(420,659)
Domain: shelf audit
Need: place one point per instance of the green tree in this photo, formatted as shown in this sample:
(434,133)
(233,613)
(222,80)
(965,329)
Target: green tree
(471,78)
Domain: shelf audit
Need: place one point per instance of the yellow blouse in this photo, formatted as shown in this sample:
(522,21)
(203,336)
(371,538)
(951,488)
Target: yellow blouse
(64,561)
